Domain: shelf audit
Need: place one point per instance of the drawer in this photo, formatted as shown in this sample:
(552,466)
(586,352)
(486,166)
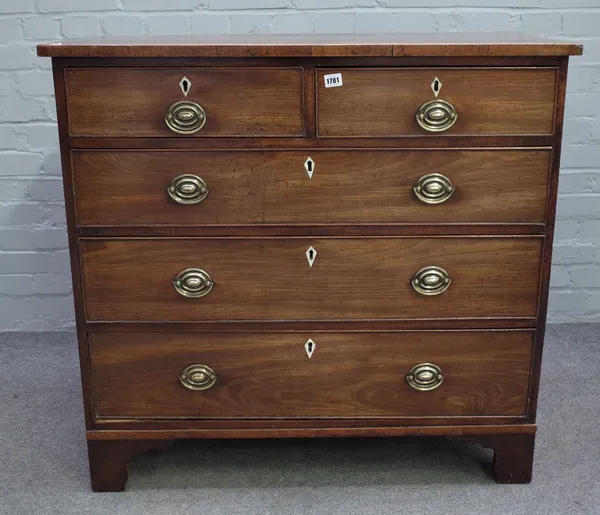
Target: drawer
(348,375)
(241,102)
(385,102)
(270,278)
(274,187)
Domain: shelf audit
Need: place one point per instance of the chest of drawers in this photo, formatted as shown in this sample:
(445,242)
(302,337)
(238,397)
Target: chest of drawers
(310,236)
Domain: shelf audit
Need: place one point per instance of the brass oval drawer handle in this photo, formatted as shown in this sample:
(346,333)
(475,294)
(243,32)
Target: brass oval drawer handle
(425,377)
(185,117)
(188,189)
(198,377)
(193,283)
(433,188)
(431,280)
(436,116)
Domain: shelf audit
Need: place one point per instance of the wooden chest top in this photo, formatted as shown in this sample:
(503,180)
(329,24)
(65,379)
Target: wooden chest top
(315,45)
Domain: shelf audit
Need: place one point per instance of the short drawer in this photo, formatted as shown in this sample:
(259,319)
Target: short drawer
(411,374)
(125,188)
(272,278)
(240,102)
(471,101)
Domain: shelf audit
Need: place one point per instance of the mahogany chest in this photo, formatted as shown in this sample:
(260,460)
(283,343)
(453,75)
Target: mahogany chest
(301,236)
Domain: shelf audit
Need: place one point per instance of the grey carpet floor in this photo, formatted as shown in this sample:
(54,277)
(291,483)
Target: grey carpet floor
(43,462)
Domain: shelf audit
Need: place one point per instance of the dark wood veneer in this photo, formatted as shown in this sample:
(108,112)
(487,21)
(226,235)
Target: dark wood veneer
(239,102)
(381,102)
(135,375)
(347,186)
(351,278)
(111,122)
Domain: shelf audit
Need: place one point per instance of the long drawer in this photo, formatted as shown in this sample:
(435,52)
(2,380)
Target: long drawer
(310,187)
(413,374)
(315,279)
(386,102)
(240,102)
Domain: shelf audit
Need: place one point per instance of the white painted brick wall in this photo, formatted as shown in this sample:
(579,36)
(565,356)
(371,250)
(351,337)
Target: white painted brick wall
(35,291)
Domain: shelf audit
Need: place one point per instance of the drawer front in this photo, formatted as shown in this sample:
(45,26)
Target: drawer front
(371,186)
(241,102)
(348,374)
(487,101)
(350,278)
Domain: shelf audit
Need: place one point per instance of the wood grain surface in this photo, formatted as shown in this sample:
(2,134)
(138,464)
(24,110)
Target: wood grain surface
(127,188)
(240,102)
(349,375)
(270,279)
(489,101)
(305,45)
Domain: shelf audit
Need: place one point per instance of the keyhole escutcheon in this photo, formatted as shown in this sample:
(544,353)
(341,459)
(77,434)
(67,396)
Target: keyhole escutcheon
(436,86)
(309,166)
(310,347)
(311,255)
(185,84)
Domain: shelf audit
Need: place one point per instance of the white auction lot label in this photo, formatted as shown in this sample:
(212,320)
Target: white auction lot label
(333,80)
